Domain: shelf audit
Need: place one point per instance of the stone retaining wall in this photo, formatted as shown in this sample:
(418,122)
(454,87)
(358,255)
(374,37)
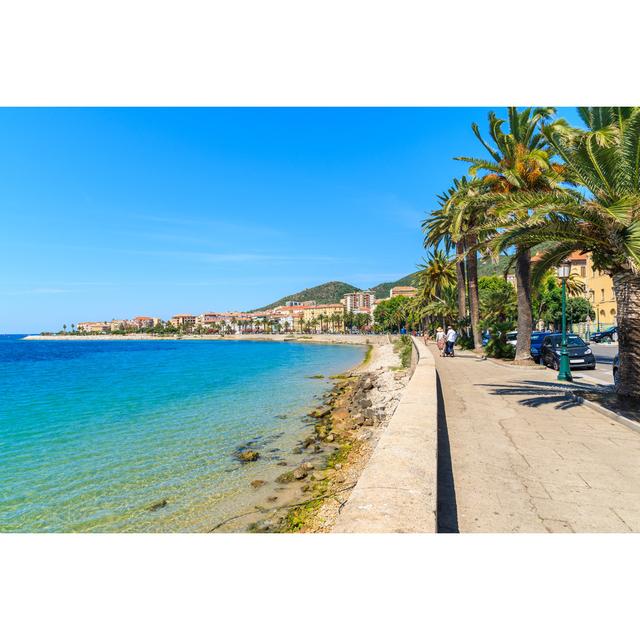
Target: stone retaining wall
(397,491)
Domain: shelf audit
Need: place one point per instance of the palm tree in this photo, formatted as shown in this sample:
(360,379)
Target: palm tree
(604,158)
(458,220)
(399,315)
(575,286)
(437,230)
(435,273)
(445,305)
(520,163)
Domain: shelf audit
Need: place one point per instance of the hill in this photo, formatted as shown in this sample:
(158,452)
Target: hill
(488,268)
(332,292)
(382,290)
(327,293)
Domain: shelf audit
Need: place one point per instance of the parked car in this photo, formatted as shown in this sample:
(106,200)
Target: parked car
(580,356)
(608,335)
(616,369)
(536,343)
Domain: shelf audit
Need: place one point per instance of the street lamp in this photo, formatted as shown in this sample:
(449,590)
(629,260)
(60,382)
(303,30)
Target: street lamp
(564,373)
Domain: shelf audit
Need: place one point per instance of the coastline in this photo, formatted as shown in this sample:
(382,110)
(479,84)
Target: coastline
(337,436)
(320,338)
(343,432)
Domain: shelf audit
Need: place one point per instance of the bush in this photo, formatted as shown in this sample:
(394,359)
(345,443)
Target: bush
(465,342)
(498,347)
(404,348)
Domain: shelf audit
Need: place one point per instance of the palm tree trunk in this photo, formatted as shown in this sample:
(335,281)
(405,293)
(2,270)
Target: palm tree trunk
(525,316)
(462,285)
(626,287)
(474,298)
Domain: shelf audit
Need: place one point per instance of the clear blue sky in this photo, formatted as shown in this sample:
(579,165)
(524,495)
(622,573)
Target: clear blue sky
(112,213)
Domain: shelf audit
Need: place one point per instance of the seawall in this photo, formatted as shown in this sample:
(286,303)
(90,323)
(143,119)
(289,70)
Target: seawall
(397,490)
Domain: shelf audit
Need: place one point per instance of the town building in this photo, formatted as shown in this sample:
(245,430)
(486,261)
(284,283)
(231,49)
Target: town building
(145,322)
(407,292)
(122,325)
(94,327)
(598,288)
(296,303)
(184,321)
(324,313)
(356,301)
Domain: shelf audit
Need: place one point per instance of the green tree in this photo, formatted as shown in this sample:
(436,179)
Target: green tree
(390,314)
(498,301)
(460,220)
(603,218)
(520,162)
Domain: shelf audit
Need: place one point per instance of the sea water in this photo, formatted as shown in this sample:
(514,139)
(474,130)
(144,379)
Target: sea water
(140,435)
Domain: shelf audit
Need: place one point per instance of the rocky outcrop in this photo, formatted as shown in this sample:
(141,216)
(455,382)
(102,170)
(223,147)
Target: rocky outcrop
(247,455)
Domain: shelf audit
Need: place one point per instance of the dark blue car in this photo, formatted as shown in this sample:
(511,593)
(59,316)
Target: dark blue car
(536,343)
(608,335)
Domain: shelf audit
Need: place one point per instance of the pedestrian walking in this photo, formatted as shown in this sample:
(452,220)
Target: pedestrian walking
(440,340)
(451,338)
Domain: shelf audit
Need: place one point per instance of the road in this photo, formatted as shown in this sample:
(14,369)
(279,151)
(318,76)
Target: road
(604,354)
(603,372)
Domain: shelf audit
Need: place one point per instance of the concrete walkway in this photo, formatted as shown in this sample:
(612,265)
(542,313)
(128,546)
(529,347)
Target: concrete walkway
(396,492)
(516,455)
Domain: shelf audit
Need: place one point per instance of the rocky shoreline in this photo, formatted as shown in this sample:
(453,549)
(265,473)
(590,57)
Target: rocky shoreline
(327,461)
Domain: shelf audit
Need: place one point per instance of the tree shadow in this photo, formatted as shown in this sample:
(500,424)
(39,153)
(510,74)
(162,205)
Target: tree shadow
(447,504)
(537,393)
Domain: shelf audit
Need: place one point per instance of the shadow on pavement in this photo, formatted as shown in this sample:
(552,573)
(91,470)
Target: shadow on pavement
(447,505)
(537,393)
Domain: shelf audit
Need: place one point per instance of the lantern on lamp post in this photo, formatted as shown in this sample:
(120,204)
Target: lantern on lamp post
(564,371)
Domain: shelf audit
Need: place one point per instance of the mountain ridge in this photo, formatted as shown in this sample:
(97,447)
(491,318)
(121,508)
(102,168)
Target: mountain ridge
(331,292)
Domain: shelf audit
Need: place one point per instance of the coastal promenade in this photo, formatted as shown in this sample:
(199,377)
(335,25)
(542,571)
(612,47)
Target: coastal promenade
(518,455)
(397,490)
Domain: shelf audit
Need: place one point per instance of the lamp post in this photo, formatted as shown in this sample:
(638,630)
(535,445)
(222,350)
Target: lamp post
(564,372)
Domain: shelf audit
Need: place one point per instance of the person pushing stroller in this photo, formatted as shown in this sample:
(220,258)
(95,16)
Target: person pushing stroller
(451,338)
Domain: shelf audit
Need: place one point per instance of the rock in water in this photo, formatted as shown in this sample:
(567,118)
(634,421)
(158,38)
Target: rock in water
(300,473)
(320,412)
(247,455)
(159,505)
(257,483)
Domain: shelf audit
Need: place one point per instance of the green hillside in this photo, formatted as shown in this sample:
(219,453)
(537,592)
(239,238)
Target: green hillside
(486,267)
(382,290)
(332,292)
(327,293)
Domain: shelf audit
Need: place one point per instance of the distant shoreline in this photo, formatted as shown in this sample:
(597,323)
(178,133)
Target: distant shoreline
(321,338)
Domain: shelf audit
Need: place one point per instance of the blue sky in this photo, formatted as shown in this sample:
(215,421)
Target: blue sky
(112,213)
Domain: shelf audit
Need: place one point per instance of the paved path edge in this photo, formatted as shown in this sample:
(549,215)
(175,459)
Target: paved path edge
(397,490)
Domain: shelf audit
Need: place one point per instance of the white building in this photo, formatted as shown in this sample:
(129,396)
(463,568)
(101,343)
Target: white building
(359,301)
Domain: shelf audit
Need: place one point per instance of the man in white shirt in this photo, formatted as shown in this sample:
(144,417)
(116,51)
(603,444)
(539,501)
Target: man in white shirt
(452,336)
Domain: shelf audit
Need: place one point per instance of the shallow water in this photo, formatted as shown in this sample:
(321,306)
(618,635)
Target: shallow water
(94,433)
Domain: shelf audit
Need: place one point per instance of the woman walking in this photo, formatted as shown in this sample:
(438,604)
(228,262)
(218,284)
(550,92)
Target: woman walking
(440,340)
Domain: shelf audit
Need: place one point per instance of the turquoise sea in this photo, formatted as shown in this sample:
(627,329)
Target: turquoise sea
(94,433)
